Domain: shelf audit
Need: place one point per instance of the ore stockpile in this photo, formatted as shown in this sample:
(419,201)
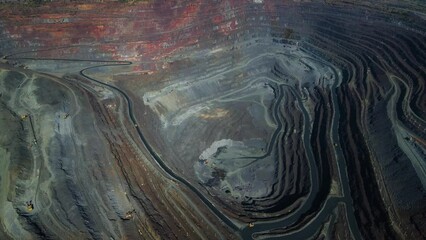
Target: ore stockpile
(222,119)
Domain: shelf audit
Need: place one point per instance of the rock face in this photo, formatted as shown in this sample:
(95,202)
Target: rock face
(213,120)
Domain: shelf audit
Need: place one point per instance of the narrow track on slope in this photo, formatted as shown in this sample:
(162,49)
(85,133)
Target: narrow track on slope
(244,231)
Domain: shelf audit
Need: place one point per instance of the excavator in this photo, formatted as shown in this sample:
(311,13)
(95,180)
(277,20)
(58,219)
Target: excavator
(129,214)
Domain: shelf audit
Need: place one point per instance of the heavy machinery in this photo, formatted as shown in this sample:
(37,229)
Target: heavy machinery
(129,214)
(30,206)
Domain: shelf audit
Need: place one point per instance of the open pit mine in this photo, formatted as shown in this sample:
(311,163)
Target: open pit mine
(213,119)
